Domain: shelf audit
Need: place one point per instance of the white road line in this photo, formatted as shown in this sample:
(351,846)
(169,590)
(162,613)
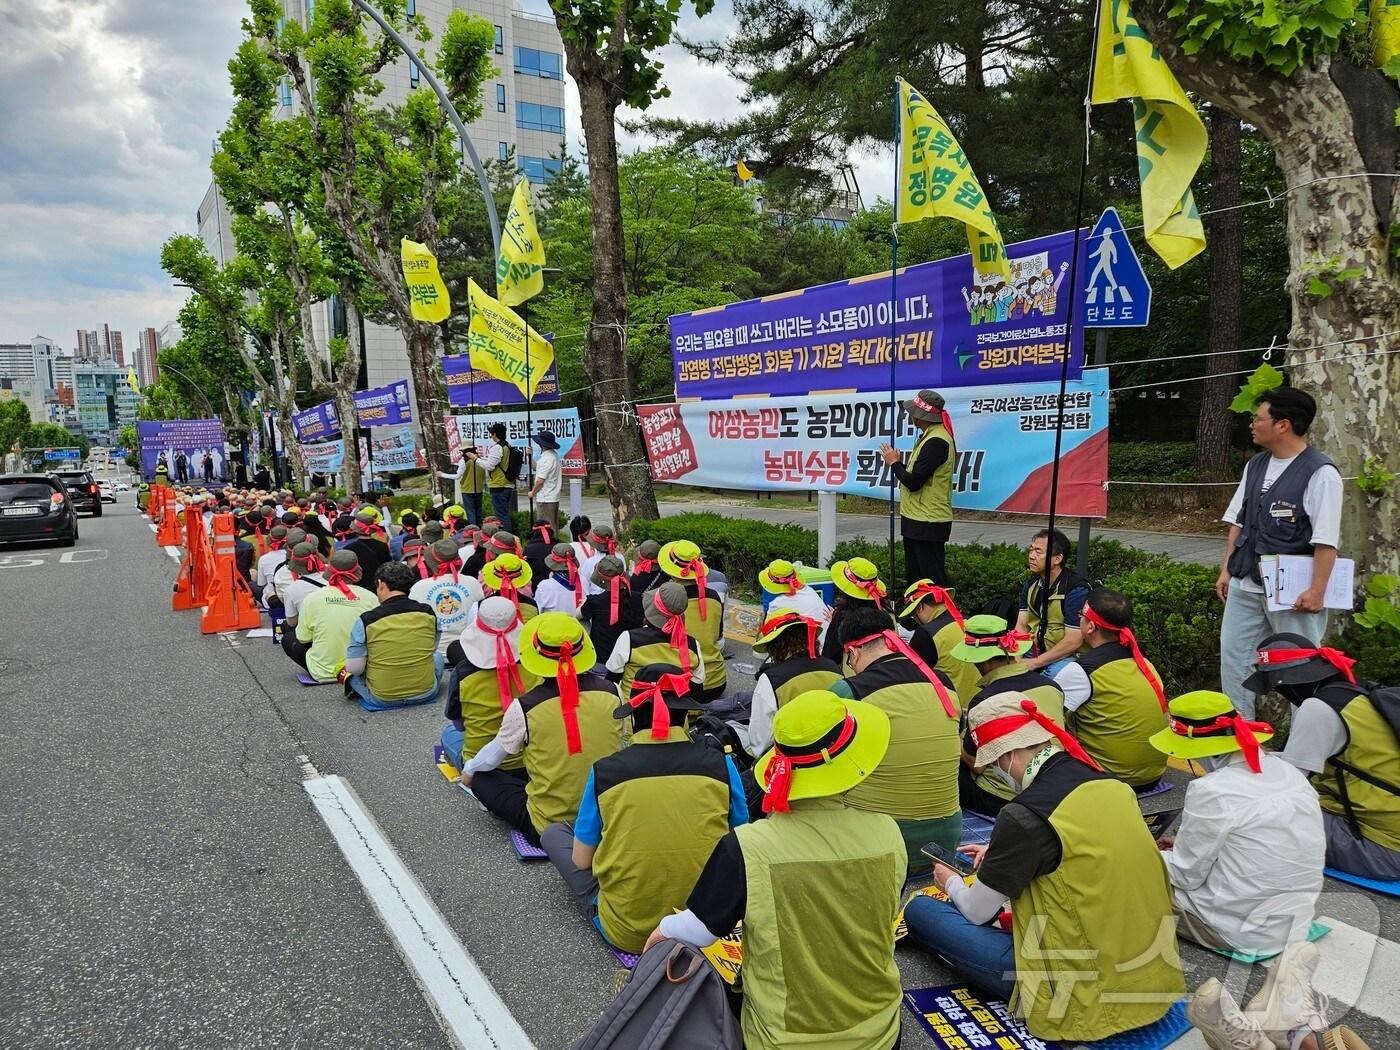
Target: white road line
(152,525)
(456,989)
(1358,969)
(174,552)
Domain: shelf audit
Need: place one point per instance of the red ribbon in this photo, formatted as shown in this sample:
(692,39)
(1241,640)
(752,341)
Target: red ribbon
(675,629)
(787,619)
(450,565)
(780,769)
(895,642)
(568,697)
(313,564)
(508,681)
(1338,659)
(655,692)
(791,580)
(643,565)
(1000,727)
(609,544)
(697,566)
(1242,728)
(1007,643)
(547,532)
(939,595)
(615,585)
(942,413)
(1125,637)
(575,580)
(337,578)
(870,587)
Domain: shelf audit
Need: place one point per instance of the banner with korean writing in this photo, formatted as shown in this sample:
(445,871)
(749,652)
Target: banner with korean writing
(384,406)
(391,449)
(467,386)
(955,1018)
(954,328)
(177,442)
(1005,444)
(563,423)
(325,457)
(316,423)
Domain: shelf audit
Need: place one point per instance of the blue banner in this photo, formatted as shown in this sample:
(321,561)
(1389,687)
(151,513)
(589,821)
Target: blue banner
(467,387)
(322,421)
(181,445)
(326,457)
(385,406)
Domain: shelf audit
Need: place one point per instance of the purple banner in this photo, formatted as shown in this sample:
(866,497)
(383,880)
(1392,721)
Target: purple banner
(466,387)
(385,406)
(182,445)
(317,424)
(954,328)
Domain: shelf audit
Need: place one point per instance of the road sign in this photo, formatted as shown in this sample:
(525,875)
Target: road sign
(1117,294)
(63,455)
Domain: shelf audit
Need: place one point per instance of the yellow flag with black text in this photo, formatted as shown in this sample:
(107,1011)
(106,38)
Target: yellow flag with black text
(426,292)
(520,266)
(496,343)
(1171,140)
(937,181)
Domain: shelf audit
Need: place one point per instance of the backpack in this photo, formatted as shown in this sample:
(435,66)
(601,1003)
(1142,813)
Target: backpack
(514,461)
(673,1000)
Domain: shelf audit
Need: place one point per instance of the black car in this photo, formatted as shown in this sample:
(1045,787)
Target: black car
(82,486)
(37,507)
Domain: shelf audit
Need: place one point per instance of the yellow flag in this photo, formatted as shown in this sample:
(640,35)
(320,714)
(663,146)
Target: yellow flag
(743,171)
(426,291)
(131,380)
(1171,140)
(520,266)
(1385,30)
(936,180)
(496,342)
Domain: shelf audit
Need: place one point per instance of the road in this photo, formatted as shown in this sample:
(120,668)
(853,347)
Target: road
(168,877)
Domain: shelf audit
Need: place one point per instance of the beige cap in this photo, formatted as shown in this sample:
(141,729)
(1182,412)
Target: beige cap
(1004,705)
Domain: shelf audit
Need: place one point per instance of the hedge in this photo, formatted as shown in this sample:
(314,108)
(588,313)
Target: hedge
(1150,460)
(738,548)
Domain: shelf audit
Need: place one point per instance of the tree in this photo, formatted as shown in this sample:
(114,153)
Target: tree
(14,423)
(51,435)
(132,444)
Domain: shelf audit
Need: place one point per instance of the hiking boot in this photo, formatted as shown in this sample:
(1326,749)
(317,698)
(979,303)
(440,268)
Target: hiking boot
(1288,1002)
(1218,1018)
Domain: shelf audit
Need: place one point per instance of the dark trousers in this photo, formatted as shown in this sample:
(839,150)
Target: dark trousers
(293,648)
(502,791)
(500,505)
(923,558)
(471,503)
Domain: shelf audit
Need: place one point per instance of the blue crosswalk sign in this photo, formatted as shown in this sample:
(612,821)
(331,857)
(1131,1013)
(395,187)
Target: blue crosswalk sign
(1117,294)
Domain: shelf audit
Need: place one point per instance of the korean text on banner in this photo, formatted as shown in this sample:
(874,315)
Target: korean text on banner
(1005,456)
(1171,140)
(520,266)
(496,338)
(384,406)
(468,387)
(563,423)
(325,457)
(426,292)
(314,424)
(193,437)
(937,181)
(391,449)
(955,328)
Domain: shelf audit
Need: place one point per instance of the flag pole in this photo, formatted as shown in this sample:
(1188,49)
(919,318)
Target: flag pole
(894,334)
(529,414)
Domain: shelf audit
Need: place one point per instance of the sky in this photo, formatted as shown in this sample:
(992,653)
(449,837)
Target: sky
(108,113)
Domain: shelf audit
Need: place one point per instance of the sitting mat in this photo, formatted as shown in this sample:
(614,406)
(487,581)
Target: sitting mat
(625,959)
(392,705)
(977,828)
(306,679)
(523,850)
(1391,887)
(1153,1036)
(1160,788)
(1315,932)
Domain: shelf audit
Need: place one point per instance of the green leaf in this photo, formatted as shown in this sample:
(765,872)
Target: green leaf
(1350,273)
(1318,287)
(1382,584)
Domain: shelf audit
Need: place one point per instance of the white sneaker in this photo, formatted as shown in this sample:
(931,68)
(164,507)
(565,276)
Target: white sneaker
(1288,1001)
(1217,1017)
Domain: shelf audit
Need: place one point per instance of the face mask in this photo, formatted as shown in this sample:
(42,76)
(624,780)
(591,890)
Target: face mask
(1005,777)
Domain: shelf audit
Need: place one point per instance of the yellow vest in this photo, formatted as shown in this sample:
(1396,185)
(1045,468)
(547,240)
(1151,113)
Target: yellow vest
(1122,712)
(934,500)
(1373,749)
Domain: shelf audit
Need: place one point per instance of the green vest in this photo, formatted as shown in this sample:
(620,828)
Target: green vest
(401,640)
(1014,678)
(473,478)
(1121,713)
(650,645)
(557,778)
(1054,608)
(480,697)
(799,674)
(664,805)
(707,633)
(918,777)
(946,633)
(823,888)
(1372,749)
(497,479)
(1095,941)
(934,500)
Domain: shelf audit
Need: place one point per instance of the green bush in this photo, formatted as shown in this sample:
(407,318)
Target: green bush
(1149,460)
(1375,650)
(737,548)
(1109,558)
(1176,618)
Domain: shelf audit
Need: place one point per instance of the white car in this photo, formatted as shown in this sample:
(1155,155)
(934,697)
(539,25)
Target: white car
(122,486)
(106,492)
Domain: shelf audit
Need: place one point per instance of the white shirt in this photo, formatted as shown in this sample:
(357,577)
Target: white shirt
(281,580)
(509,740)
(1074,683)
(298,591)
(452,603)
(806,602)
(553,596)
(549,475)
(1249,853)
(1316,734)
(1322,500)
(757,736)
(622,653)
(492,459)
(268,565)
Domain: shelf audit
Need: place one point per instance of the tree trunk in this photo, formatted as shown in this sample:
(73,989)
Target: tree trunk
(625,466)
(1225,238)
(974,78)
(431,390)
(345,384)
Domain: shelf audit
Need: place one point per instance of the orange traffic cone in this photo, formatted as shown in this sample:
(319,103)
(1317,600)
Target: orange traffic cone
(231,606)
(192,581)
(168,534)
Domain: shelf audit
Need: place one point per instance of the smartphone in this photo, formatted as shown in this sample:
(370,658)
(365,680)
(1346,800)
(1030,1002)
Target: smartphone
(959,862)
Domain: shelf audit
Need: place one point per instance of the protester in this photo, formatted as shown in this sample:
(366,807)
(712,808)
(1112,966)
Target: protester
(604,543)
(1051,619)
(496,462)
(608,610)
(510,577)
(792,666)
(561,727)
(548,481)
(370,543)
(408,522)
(704,615)
(858,586)
(663,639)
(646,574)
(272,595)
(450,594)
(392,658)
(925,487)
(304,564)
(1088,890)
(580,535)
(543,536)
(814,875)
(562,589)
(468,541)
(327,618)
(486,677)
(1289,501)
(272,560)
(477,560)
(650,815)
(783,580)
(937,629)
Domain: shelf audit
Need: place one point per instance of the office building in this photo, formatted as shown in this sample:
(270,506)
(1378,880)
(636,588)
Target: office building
(87,348)
(147,350)
(170,333)
(30,362)
(105,401)
(215,226)
(63,366)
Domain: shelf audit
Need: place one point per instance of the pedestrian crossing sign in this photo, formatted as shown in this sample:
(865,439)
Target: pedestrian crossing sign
(1117,294)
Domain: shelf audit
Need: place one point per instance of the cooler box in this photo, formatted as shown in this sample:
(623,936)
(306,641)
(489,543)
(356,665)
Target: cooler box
(817,579)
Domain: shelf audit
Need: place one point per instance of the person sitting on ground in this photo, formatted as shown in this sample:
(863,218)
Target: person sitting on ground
(1085,880)
(470,540)
(1246,861)
(408,522)
(1052,622)
(604,542)
(272,595)
(561,727)
(502,542)
(476,561)
(608,610)
(432,531)
(392,659)
(415,556)
(580,536)
(649,817)
(245,546)
(646,574)
(371,544)
(446,591)
(858,586)
(327,617)
(304,566)
(486,677)
(455,521)
(342,532)
(783,580)
(917,783)
(815,874)
(562,589)
(1346,735)
(1114,699)
(543,536)
(318,532)
(995,650)
(791,666)
(937,626)
(704,615)
(510,577)
(272,560)
(662,639)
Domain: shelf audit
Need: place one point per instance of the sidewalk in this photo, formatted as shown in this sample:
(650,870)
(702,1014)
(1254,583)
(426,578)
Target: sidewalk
(1189,548)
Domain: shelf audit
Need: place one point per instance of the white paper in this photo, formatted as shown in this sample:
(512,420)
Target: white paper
(259,632)
(1288,575)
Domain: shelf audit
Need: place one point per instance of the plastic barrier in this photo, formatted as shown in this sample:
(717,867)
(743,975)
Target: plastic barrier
(168,533)
(192,581)
(230,600)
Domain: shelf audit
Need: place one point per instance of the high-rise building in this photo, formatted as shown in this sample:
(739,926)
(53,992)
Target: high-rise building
(31,362)
(63,366)
(88,348)
(105,400)
(147,350)
(170,334)
(215,225)
(117,353)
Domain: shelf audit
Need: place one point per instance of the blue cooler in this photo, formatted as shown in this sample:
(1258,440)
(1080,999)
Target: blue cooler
(817,579)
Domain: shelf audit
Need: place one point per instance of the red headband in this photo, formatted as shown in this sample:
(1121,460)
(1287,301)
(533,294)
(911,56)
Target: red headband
(939,595)
(615,585)
(999,727)
(1235,723)
(568,690)
(508,681)
(784,620)
(1338,659)
(644,565)
(337,578)
(895,642)
(791,580)
(575,580)
(870,587)
(942,413)
(675,627)
(547,531)
(785,760)
(313,564)
(450,565)
(1125,637)
(609,544)
(655,692)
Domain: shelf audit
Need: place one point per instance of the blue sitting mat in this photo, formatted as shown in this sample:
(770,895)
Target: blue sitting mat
(1390,887)
(525,852)
(1315,932)
(1153,1036)
(976,828)
(306,679)
(393,705)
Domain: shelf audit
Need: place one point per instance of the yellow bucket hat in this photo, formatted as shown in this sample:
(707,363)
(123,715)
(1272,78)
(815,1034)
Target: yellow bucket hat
(822,746)
(859,578)
(1205,723)
(543,640)
(681,560)
(780,578)
(506,572)
(781,620)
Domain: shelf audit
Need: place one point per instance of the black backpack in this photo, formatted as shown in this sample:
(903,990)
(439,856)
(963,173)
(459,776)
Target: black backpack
(514,461)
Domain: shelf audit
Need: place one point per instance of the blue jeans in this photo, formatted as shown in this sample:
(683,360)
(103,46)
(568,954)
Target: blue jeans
(1246,623)
(471,503)
(500,505)
(981,954)
(370,702)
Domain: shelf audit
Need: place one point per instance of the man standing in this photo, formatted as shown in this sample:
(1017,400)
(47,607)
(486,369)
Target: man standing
(495,462)
(182,467)
(1288,502)
(208,466)
(548,478)
(925,487)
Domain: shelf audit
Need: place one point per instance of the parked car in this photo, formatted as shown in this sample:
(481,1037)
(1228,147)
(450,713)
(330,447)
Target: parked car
(37,507)
(123,486)
(82,486)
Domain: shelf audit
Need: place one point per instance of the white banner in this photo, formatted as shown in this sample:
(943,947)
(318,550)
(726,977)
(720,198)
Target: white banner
(563,423)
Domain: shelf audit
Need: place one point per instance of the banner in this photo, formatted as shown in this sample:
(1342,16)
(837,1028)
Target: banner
(166,439)
(467,386)
(427,294)
(520,266)
(955,328)
(322,421)
(391,450)
(956,1017)
(384,406)
(326,457)
(563,423)
(1005,445)
(496,341)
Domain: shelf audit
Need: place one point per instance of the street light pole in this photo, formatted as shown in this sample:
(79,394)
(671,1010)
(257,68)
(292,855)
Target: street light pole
(209,405)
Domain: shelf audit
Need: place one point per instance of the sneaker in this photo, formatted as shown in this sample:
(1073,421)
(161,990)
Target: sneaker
(1288,1002)
(1217,1017)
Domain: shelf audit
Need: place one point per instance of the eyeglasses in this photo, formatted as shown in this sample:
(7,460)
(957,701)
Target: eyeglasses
(1262,419)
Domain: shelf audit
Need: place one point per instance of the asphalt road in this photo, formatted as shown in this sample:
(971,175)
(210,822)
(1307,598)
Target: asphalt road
(166,881)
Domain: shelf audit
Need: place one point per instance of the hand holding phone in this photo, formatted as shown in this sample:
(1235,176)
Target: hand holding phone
(960,863)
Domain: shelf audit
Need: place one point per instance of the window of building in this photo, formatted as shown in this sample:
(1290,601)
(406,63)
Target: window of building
(412,8)
(532,63)
(286,91)
(310,10)
(500,98)
(413,74)
(538,169)
(502,150)
(500,41)
(531,116)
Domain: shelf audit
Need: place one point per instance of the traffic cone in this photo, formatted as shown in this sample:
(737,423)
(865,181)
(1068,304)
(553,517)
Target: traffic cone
(231,606)
(168,534)
(192,581)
